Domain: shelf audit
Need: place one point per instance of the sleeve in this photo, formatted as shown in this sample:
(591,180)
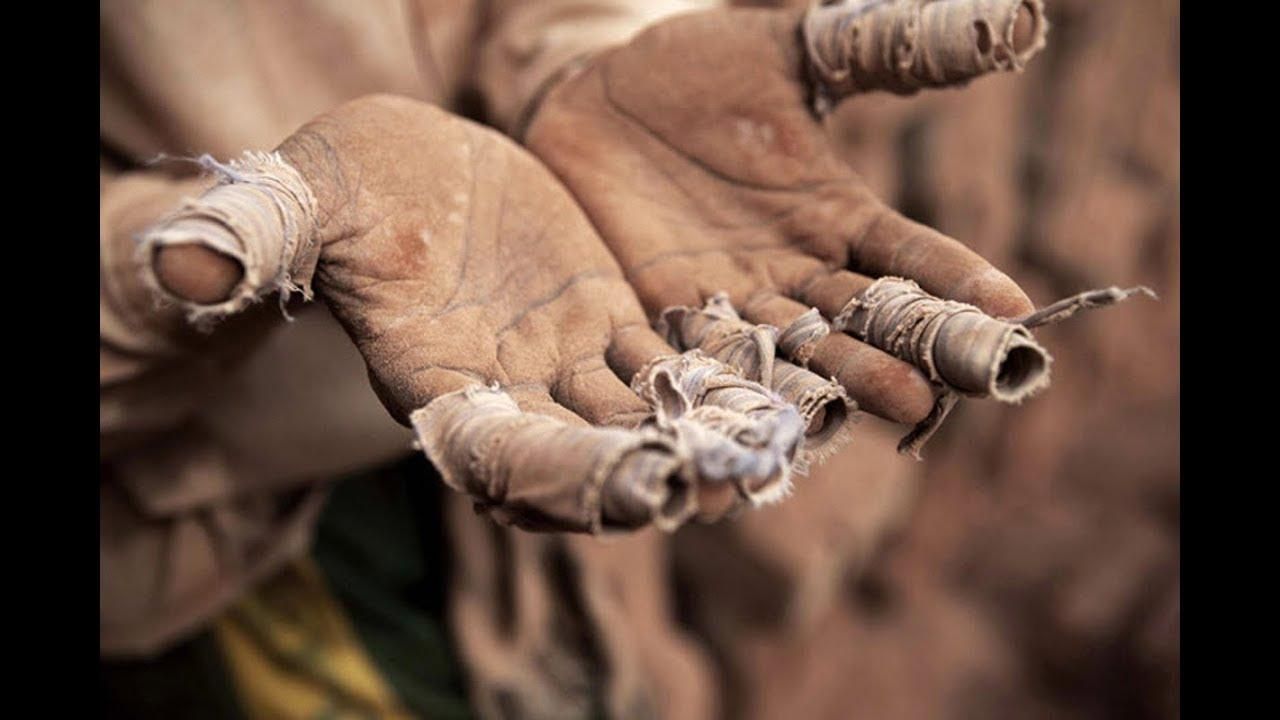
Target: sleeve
(216,450)
(528,43)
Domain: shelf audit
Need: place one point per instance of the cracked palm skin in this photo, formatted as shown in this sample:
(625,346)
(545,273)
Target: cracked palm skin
(454,260)
(696,153)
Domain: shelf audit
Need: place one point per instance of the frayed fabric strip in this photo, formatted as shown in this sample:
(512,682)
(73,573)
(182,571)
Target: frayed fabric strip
(913,442)
(709,426)
(539,473)
(1088,300)
(800,339)
(826,408)
(717,330)
(262,214)
(903,46)
(737,429)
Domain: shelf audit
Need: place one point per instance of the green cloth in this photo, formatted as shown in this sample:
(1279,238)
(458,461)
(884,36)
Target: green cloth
(381,546)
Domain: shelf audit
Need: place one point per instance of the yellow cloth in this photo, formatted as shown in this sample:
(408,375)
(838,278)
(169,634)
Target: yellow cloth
(293,653)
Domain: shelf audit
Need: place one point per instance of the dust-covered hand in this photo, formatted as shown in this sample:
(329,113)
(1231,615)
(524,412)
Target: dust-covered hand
(491,317)
(699,153)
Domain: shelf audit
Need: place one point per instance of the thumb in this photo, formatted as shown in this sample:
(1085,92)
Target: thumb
(262,227)
(251,234)
(196,273)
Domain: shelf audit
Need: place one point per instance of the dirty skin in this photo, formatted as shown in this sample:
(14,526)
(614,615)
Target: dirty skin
(723,422)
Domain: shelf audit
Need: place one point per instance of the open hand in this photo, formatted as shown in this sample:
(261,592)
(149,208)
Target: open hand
(698,152)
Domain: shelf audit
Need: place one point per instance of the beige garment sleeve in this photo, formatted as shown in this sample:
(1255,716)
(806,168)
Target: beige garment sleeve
(530,41)
(214,445)
(151,363)
(198,499)
(186,77)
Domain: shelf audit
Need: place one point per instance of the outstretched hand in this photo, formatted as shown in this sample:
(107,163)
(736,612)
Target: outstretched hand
(699,154)
(490,315)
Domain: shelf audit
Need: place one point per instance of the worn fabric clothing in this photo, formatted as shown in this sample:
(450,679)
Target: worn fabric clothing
(218,448)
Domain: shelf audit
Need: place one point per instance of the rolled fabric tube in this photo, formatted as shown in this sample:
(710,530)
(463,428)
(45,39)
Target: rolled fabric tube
(958,346)
(261,214)
(1087,300)
(902,46)
(719,331)
(539,473)
(701,400)
(953,343)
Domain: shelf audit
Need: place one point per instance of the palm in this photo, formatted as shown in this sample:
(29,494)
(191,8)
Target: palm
(458,265)
(455,259)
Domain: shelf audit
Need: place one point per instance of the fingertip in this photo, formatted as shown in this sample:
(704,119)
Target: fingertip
(634,346)
(1024,28)
(996,294)
(197,273)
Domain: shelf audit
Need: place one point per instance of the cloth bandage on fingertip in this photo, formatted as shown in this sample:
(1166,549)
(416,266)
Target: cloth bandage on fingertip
(738,430)
(903,46)
(961,349)
(262,214)
(954,344)
(539,473)
(716,328)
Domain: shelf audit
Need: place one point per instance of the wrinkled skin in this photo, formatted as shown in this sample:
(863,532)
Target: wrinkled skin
(454,259)
(695,151)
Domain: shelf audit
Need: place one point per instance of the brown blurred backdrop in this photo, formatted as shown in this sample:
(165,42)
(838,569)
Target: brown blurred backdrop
(1030,566)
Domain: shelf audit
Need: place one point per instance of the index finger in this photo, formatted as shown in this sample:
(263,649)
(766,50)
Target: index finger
(890,244)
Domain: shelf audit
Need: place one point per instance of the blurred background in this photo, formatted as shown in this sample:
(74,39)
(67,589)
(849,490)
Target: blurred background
(1030,566)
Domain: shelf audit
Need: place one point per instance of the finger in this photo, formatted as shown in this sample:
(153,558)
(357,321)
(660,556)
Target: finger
(831,293)
(593,391)
(959,347)
(633,353)
(130,316)
(856,46)
(633,347)
(739,431)
(541,468)
(887,243)
(269,213)
(878,382)
(248,235)
(677,385)
(718,330)
(197,273)
(651,485)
